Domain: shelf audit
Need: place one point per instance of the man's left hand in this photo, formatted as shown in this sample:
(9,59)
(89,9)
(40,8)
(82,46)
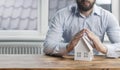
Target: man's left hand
(96,41)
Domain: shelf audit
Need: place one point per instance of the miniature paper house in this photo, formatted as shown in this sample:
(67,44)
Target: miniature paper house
(83,50)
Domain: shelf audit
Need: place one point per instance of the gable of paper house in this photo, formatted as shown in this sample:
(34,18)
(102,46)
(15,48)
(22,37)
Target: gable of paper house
(83,45)
(88,43)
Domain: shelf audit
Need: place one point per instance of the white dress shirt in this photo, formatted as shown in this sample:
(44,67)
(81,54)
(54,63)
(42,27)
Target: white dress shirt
(68,21)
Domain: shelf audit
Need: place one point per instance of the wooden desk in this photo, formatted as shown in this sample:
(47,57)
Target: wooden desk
(43,62)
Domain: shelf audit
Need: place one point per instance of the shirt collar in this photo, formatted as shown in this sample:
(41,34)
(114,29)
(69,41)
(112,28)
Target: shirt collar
(96,10)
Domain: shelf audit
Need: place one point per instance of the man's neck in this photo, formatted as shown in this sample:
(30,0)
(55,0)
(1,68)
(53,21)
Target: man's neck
(86,13)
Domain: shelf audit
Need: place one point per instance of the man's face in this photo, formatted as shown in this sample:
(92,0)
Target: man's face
(85,5)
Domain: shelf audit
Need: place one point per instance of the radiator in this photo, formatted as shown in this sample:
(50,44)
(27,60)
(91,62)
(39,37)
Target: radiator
(21,47)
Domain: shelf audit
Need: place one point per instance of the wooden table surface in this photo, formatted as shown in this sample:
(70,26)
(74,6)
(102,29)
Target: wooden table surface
(43,62)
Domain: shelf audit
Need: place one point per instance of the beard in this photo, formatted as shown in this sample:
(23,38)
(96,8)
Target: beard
(85,5)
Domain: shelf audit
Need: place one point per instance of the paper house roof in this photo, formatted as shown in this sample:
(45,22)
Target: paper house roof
(87,42)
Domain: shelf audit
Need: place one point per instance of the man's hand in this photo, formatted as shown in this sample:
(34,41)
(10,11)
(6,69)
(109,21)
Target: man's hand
(97,43)
(75,40)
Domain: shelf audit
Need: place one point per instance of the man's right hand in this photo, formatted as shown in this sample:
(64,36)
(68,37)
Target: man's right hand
(75,40)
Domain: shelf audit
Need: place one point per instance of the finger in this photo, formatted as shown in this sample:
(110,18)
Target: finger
(79,34)
(87,30)
(82,31)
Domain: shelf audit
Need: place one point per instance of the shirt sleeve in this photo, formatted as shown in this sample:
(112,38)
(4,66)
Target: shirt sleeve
(113,32)
(54,43)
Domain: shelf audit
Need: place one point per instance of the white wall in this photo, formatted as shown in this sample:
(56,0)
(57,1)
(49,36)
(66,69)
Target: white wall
(116,8)
(103,1)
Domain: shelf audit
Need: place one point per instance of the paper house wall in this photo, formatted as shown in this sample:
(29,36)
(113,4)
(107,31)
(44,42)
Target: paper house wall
(83,50)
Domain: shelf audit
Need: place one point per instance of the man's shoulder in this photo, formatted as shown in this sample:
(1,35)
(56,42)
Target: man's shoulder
(103,11)
(106,15)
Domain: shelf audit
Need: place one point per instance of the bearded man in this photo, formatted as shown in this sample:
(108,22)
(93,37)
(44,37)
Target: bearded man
(69,24)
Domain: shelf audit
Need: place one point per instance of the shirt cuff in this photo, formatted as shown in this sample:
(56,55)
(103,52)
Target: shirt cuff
(61,50)
(111,51)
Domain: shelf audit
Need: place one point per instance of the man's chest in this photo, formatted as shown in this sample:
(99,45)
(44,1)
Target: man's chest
(75,25)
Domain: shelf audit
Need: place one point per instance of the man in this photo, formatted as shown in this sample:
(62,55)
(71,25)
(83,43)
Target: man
(69,25)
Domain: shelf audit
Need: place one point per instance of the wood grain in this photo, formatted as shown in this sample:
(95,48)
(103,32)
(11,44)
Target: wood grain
(43,62)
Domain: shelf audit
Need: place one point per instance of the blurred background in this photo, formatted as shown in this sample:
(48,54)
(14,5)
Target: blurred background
(24,23)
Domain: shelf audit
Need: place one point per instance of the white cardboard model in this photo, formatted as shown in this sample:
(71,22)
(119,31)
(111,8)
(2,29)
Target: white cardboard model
(83,50)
